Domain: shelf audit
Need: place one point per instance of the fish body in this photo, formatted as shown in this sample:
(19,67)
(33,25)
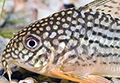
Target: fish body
(79,44)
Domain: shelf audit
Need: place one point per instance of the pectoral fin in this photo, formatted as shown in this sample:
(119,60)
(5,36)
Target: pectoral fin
(87,79)
(98,79)
(61,75)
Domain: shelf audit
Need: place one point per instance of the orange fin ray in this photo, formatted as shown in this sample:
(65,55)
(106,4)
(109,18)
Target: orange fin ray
(87,79)
(61,75)
(98,79)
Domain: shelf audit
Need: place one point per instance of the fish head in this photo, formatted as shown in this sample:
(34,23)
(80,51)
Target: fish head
(30,48)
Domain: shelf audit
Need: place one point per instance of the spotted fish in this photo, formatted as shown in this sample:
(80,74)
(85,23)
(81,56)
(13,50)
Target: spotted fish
(78,44)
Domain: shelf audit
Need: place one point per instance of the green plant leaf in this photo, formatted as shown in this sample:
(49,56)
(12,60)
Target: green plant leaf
(2,0)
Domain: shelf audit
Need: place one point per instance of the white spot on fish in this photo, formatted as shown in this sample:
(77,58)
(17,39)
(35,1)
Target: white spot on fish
(45,35)
(53,34)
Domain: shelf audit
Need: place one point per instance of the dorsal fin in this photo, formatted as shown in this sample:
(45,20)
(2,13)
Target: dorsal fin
(96,3)
(111,7)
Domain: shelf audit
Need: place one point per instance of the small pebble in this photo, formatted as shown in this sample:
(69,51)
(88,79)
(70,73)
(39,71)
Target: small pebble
(3,43)
(1,71)
(28,80)
(44,82)
(3,80)
(14,81)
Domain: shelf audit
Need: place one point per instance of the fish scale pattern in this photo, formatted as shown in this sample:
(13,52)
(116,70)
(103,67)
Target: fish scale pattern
(79,41)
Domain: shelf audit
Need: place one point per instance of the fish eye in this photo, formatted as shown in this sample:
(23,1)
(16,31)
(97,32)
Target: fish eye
(31,42)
